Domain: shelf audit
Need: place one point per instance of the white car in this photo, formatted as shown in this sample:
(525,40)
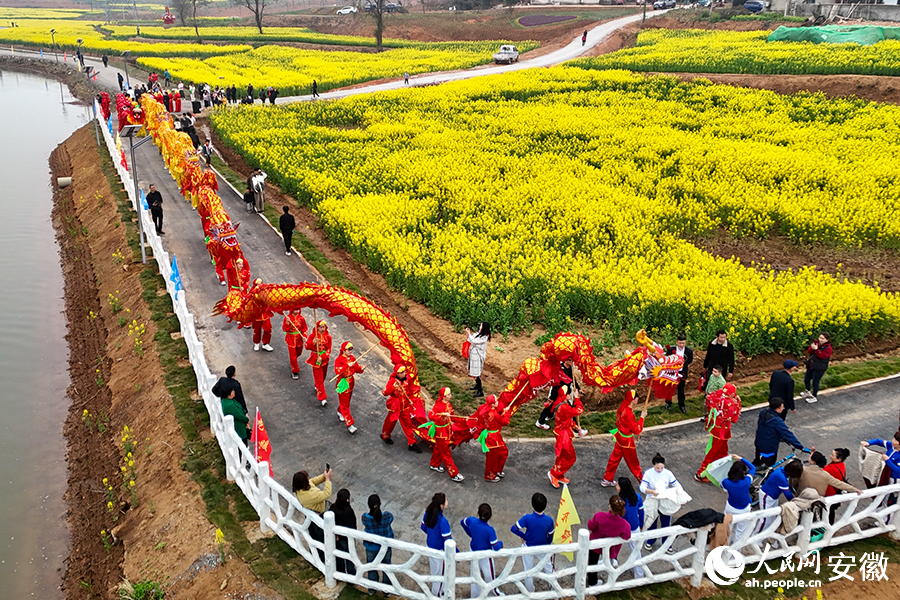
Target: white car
(347,10)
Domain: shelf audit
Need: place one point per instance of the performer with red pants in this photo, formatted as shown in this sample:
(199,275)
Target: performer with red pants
(562,427)
(295,330)
(262,328)
(626,428)
(400,408)
(319,343)
(441,415)
(238,272)
(492,421)
(345,367)
(723,407)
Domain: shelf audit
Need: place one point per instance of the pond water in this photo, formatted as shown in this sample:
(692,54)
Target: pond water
(36,114)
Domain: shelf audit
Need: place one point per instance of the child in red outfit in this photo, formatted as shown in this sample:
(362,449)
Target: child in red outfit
(626,430)
(345,367)
(319,344)
(295,330)
(723,407)
(441,416)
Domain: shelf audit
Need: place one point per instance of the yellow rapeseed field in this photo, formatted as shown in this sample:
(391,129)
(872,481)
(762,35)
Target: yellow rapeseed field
(559,194)
(704,51)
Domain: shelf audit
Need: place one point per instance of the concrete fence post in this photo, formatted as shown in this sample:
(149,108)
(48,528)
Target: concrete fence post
(230,467)
(450,570)
(329,550)
(699,562)
(263,485)
(806,519)
(581,563)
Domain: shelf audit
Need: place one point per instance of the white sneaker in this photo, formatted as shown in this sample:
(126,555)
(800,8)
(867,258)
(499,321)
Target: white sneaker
(256,347)
(582,432)
(540,425)
(287,253)
(805,394)
(811,399)
(222,282)
(438,469)
(340,416)
(352,429)
(459,477)
(324,402)
(268,348)
(607,483)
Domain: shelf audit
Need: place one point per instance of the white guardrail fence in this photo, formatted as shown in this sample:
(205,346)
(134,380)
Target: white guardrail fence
(858,516)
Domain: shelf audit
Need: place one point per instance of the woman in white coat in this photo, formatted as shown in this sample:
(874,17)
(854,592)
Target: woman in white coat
(478,354)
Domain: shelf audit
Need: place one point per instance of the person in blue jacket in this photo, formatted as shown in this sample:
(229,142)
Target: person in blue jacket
(437,533)
(737,484)
(634,514)
(483,538)
(770,432)
(537,530)
(777,485)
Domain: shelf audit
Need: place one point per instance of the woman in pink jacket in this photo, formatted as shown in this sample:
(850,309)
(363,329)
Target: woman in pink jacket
(610,524)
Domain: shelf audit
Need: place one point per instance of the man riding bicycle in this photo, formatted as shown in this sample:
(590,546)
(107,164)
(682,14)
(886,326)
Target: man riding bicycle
(770,432)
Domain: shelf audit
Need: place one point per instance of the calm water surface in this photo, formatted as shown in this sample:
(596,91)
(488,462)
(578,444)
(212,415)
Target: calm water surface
(36,114)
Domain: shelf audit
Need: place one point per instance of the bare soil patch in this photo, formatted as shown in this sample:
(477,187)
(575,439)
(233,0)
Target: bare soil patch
(166,532)
(870,87)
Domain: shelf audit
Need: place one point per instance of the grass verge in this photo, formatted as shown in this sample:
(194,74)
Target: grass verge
(271,560)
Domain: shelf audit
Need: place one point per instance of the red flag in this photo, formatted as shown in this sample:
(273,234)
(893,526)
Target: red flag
(262,449)
(123,161)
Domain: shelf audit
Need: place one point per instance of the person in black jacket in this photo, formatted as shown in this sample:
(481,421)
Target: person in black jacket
(249,197)
(687,354)
(287,224)
(154,201)
(226,384)
(719,352)
(343,517)
(781,385)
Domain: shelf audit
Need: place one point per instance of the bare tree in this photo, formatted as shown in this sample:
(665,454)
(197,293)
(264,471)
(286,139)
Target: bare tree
(257,7)
(377,10)
(182,10)
(197,4)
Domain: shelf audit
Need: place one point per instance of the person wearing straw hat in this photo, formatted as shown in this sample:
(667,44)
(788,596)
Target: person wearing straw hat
(345,367)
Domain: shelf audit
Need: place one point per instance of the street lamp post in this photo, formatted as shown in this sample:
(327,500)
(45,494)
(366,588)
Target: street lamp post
(129,132)
(53,43)
(125,60)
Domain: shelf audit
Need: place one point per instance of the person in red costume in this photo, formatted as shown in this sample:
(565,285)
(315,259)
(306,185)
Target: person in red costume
(441,415)
(238,272)
(262,328)
(626,430)
(400,408)
(563,424)
(345,367)
(491,421)
(319,345)
(295,330)
(723,407)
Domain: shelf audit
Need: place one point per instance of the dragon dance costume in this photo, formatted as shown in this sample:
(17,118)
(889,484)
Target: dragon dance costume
(345,367)
(399,406)
(438,428)
(319,344)
(565,449)
(626,428)
(491,422)
(295,331)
